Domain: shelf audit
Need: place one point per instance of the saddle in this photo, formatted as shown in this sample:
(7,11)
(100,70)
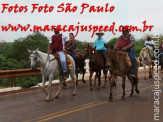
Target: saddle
(68,60)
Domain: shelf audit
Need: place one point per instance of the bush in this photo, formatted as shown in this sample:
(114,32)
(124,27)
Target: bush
(17,58)
(27,82)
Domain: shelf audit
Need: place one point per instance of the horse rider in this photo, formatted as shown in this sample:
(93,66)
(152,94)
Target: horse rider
(126,42)
(57,45)
(149,43)
(71,45)
(100,45)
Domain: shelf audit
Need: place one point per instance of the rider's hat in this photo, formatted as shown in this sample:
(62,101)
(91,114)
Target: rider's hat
(100,33)
(148,36)
(125,28)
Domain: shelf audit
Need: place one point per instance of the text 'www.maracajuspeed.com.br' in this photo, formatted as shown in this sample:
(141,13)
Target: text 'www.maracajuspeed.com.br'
(74,28)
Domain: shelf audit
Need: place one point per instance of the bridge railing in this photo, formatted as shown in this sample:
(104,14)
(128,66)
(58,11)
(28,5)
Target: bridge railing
(26,72)
(18,73)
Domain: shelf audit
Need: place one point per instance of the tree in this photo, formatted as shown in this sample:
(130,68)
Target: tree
(17,58)
(112,41)
(18,49)
(81,45)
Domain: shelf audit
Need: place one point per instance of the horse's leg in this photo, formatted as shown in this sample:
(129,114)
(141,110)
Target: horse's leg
(111,86)
(123,86)
(132,85)
(105,73)
(49,88)
(110,78)
(99,79)
(73,77)
(76,78)
(136,85)
(59,88)
(145,71)
(43,85)
(90,80)
(150,71)
(64,84)
(83,76)
(95,80)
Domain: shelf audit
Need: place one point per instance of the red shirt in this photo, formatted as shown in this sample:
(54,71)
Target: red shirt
(57,43)
(161,47)
(123,41)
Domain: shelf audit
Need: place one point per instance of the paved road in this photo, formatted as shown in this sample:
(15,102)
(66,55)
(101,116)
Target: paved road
(87,106)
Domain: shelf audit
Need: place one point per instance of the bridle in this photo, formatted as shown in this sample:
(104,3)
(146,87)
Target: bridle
(113,54)
(87,53)
(147,54)
(92,55)
(48,57)
(110,59)
(36,54)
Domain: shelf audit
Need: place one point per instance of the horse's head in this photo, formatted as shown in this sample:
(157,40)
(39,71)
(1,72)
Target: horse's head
(92,53)
(33,56)
(87,51)
(110,52)
(145,53)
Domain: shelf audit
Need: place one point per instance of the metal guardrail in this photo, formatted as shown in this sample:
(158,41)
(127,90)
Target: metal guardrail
(18,73)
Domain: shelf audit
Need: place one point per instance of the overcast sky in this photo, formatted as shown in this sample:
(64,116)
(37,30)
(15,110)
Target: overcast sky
(126,12)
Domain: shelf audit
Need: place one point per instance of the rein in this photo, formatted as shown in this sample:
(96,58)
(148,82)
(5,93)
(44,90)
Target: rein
(111,60)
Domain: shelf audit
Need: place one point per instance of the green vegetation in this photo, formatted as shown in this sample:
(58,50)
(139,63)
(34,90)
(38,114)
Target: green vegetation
(81,45)
(15,56)
(112,41)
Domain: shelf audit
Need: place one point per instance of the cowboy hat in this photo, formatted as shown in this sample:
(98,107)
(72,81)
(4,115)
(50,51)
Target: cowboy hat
(125,28)
(148,36)
(100,33)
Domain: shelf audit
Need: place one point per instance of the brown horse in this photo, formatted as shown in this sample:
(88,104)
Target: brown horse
(80,63)
(119,67)
(96,64)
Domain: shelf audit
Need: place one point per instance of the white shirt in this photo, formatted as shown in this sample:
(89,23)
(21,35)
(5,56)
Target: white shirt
(64,40)
(149,42)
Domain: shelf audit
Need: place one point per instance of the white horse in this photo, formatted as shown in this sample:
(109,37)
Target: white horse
(49,69)
(146,56)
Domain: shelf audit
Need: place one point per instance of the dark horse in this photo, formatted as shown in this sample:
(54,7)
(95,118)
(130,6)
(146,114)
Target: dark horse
(96,64)
(119,67)
(79,63)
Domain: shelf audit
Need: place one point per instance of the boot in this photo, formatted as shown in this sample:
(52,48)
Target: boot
(131,73)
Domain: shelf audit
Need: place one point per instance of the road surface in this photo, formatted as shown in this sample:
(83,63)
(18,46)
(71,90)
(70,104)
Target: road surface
(87,106)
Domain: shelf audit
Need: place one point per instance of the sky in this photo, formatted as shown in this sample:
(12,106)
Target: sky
(126,12)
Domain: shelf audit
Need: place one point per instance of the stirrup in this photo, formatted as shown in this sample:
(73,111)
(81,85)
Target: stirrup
(132,75)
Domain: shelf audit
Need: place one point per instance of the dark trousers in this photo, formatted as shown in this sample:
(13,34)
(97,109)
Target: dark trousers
(73,55)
